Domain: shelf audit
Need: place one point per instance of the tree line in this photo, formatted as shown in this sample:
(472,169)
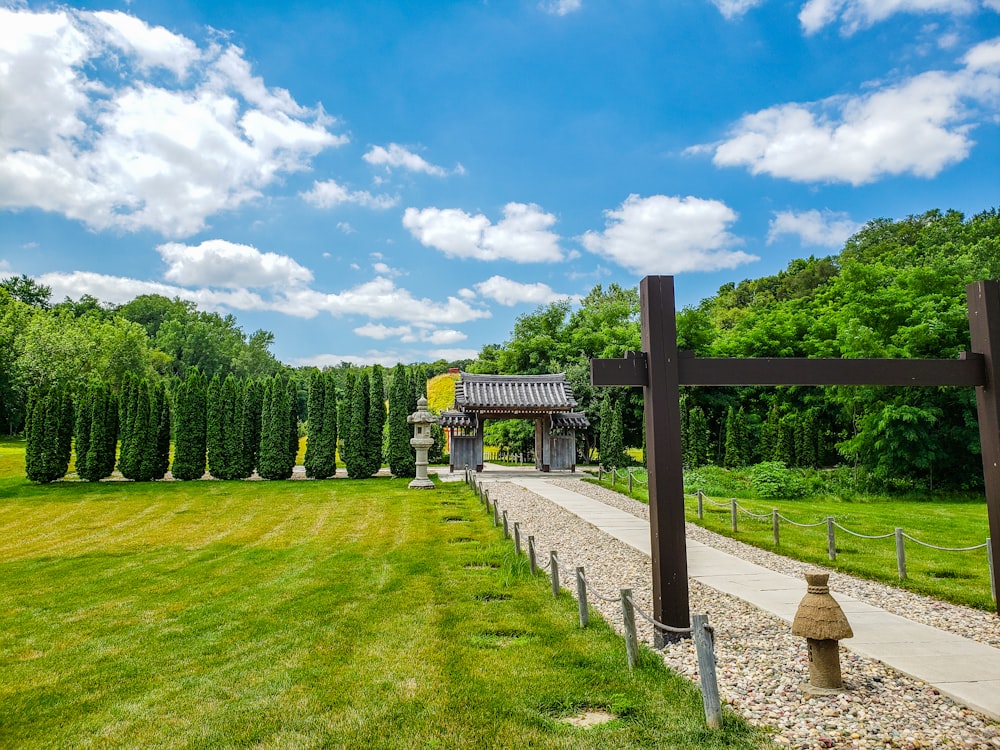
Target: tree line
(896,289)
(226,426)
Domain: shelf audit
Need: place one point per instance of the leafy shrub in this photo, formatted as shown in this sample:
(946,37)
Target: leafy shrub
(772,479)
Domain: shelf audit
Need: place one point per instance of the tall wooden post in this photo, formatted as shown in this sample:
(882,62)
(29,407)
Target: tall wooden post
(663,453)
(984,325)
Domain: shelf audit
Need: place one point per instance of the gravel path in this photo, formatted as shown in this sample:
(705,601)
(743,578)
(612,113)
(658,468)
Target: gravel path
(761,666)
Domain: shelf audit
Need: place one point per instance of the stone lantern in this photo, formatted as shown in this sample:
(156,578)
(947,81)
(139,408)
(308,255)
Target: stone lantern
(422,440)
(822,622)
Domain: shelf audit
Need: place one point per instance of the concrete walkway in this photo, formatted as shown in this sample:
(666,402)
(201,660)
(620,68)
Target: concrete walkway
(965,670)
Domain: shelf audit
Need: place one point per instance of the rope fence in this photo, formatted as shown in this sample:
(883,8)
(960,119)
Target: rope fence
(639,476)
(700,630)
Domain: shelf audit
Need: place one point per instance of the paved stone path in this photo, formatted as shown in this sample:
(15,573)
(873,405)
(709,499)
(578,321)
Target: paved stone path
(967,671)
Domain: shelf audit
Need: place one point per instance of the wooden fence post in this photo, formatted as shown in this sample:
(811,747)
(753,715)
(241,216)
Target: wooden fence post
(517,538)
(532,561)
(506,526)
(776,526)
(581,597)
(733,513)
(554,567)
(701,505)
(704,642)
(900,554)
(831,538)
(628,620)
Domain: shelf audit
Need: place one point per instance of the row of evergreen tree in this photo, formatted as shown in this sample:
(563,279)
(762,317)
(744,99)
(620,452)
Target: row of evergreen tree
(229,427)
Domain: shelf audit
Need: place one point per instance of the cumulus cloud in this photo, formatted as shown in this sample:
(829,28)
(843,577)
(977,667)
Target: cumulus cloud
(179,135)
(228,264)
(509,293)
(731,9)
(381,331)
(385,358)
(860,14)
(814,228)
(330,193)
(411,334)
(560,7)
(919,126)
(666,235)
(400,157)
(522,235)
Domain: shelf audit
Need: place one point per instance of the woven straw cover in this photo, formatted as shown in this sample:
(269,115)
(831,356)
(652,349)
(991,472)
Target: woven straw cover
(819,616)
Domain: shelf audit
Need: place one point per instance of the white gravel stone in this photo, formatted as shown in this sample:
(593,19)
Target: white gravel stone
(761,666)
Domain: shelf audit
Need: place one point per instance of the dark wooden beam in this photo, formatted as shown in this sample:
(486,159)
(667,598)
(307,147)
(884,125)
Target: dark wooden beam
(968,371)
(984,325)
(663,453)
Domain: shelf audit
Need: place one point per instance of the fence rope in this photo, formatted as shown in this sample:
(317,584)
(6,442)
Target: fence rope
(864,536)
(802,525)
(944,549)
(597,593)
(752,514)
(656,623)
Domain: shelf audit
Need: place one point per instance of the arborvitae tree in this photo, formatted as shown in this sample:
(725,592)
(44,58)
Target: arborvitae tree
(44,456)
(784,448)
(805,441)
(418,382)
(358,466)
(215,448)
(328,464)
(314,422)
(149,420)
(293,425)
(376,420)
(102,440)
(604,430)
(612,446)
(128,460)
(190,433)
(138,451)
(253,404)
(274,463)
(84,419)
(345,417)
(402,462)
(770,433)
(698,437)
(66,420)
(161,408)
(233,395)
(321,445)
(736,440)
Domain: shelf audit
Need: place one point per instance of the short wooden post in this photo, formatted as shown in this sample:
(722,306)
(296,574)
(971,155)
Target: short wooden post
(733,513)
(517,538)
(900,555)
(831,538)
(989,560)
(496,514)
(506,526)
(704,642)
(581,597)
(630,480)
(532,562)
(486,500)
(701,504)
(554,567)
(614,475)
(776,526)
(628,620)
(600,472)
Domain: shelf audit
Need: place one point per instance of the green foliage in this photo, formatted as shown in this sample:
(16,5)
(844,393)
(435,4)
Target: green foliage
(321,447)
(400,455)
(191,429)
(162,412)
(50,420)
(226,429)
(358,458)
(276,415)
(612,448)
(771,479)
(376,420)
(694,438)
(253,405)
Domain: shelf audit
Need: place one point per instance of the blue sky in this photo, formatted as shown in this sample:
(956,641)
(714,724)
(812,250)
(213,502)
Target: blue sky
(398,181)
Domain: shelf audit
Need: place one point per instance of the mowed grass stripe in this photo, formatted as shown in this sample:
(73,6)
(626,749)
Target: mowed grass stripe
(303,614)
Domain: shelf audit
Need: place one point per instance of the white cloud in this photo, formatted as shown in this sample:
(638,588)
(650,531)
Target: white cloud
(331,193)
(667,235)
(522,235)
(860,14)
(136,151)
(396,156)
(731,9)
(918,126)
(380,331)
(346,228)
(561,7)
(228,264)
(814,228)
(385,358)
(5,268)
(509,293)
(153,46)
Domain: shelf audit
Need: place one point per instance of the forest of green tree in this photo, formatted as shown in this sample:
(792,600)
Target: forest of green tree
(896,289)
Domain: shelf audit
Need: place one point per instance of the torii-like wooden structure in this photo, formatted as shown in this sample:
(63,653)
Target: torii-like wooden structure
(660,369)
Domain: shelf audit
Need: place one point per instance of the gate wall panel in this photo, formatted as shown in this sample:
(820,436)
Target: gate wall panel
(563,455)
(466,450)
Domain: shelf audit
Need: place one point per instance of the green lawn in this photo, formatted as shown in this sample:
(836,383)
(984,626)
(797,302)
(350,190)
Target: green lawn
(961,577)
(299,615)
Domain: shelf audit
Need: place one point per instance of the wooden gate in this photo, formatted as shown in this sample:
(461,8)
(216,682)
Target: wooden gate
(466,450)
(563,452)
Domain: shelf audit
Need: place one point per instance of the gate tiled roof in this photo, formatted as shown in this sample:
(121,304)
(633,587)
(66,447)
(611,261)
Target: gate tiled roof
(513,392)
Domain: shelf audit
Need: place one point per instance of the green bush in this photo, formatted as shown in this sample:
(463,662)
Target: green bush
(773,479)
